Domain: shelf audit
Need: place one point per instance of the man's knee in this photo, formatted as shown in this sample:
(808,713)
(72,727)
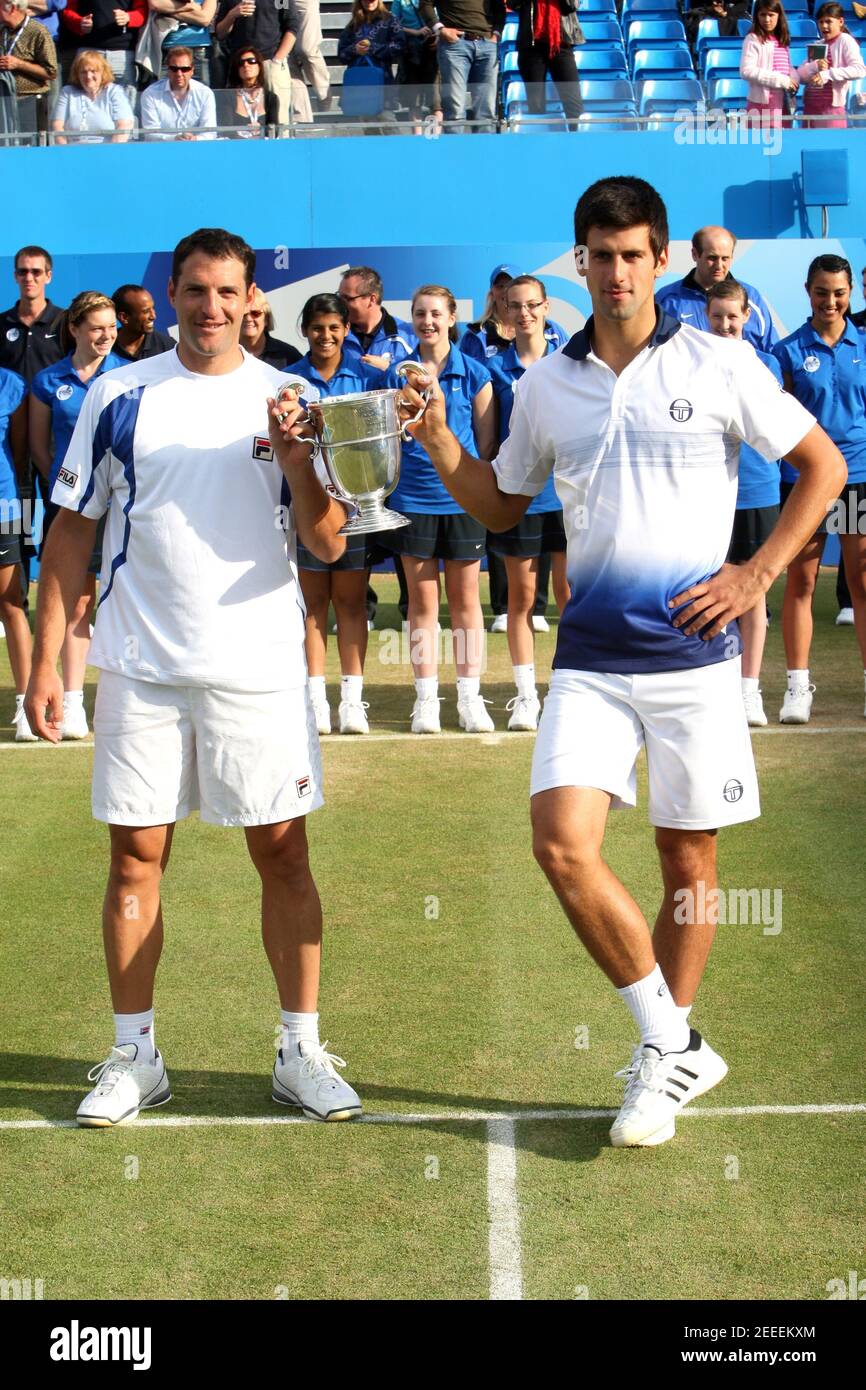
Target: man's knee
(280,852)
(563,858)
(686,855)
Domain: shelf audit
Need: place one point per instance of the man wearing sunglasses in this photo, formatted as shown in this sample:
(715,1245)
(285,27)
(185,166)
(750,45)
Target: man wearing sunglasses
(179,108)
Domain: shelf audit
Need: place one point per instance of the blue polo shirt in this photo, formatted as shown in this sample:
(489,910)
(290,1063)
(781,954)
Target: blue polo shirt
(475,342)
(505,371)
(13,389)
(62,390)
(686,301)
(351,376)
(420,488)
(831,383)
(758,478)
(393,338)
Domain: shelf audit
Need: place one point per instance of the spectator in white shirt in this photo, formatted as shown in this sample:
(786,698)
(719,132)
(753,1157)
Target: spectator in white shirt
(179,108)
(92,102)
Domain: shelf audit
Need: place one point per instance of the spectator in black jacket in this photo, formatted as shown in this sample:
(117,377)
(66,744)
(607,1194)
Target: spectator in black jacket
(257,336)
(247,104)
(548,31)
(272,32)
(137,336)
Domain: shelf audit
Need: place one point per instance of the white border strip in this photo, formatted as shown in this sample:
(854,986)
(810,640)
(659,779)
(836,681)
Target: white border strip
(503,1212)
(444,1117)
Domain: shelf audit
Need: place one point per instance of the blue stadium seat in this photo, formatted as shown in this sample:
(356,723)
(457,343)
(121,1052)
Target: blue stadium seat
(625,118)
(728,93)
(509,29)
(802,27)
(606,95)
(662,62)
(799,55)
(857,29)
(655,33)
(596,9)
(601,62)
(668,95)
(647,9)
(508,63)
(800,7)
(720,62)
(601,33)
(744,27)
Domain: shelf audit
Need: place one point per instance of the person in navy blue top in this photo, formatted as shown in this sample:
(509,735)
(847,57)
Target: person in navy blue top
(540,531)
(439,529)
(757,512)
(824,366)
(686,299)
(88,333)
(334,372)
(13,462)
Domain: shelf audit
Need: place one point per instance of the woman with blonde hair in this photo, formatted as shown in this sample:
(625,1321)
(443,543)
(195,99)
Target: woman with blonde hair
(257,335)
(88,330)
(92,106)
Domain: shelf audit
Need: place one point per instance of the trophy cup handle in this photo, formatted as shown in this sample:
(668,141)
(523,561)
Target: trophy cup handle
(293,391)
(402,369)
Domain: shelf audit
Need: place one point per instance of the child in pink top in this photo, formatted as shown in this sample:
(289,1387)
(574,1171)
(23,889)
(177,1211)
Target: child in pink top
(766,63)
(827,78)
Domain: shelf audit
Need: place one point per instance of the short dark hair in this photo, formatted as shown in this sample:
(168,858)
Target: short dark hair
(622,201)
(34,250)
(220,245)
(120,295)
(323,304)
(781,33)
(729,289)
(235,63)
(370,279)
(831,265)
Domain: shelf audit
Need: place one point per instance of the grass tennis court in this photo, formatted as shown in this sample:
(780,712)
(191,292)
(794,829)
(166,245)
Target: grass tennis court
(454,987)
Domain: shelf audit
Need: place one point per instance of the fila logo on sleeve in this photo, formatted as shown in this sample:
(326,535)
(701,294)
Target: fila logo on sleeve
(262,448)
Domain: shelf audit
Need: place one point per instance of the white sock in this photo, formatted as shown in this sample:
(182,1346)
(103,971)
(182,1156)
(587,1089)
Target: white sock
(468,687)
(317,689)
(427,687)
(524,679)
(351,689)
(684,1010)
(138,1029)
(19,700)
(73,697)
(655,1013)
(298,1028)
(798,678)
(750,685)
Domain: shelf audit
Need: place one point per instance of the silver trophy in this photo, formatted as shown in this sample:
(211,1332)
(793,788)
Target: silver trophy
(359,439)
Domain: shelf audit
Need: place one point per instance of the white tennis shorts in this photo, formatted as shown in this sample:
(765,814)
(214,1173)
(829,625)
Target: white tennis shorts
(240,758)
(692,724)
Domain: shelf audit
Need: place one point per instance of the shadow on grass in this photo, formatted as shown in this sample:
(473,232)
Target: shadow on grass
(52,1088)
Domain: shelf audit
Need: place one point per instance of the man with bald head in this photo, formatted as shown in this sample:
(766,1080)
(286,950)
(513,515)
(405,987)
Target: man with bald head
(686,300)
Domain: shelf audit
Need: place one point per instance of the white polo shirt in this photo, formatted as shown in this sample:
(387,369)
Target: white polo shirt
(199,583)
(645,465)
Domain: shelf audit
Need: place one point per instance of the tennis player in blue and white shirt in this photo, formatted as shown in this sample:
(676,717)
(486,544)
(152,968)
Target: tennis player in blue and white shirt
(202,701)
(640,419)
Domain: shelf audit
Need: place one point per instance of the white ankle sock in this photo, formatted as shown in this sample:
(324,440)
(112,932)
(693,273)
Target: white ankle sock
(426,687)
(351,689)
(317,689)
(684,1010)
(524,679)
(73,697)
(468,687)
(655,1013)
(750,685)
(798,678)
(138,1029)
(298,1028)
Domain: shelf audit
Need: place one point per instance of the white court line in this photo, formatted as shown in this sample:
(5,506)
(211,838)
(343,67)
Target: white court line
(444,1117)
(503,1213)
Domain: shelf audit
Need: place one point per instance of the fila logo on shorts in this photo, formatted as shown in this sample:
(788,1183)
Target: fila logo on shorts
(304,786)
(262,448)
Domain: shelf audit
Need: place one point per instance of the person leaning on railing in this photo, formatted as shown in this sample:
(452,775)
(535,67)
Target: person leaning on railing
(247,104)
(272,31)
(546,35)
(179,108)
(92,102)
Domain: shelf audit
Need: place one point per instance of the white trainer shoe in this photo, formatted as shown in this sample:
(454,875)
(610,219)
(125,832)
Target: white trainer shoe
(23,731)
(425,716)
(754,707)
(353,717)
(74,724)
(308,1080)
(123,1087)
(658,1085)
(525,710)
(322,716)
(845,617)
(797,705)
(473,717)
(540,623)
(500,623)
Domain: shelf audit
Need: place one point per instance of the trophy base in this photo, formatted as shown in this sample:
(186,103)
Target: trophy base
(373,518)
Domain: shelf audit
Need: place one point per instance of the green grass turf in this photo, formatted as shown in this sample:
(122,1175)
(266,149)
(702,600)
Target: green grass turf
(450,980)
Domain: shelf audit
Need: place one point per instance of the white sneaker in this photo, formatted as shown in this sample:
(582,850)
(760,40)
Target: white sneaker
(797,705)
(322,716)
(353,717)
(308,1080)
(845,617)
(500,623)
(425,716)
(123,1087)
(754,707)
(74,723)
(473,717)
(23,731)
(525,711)
(658,1085)
(540,623)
